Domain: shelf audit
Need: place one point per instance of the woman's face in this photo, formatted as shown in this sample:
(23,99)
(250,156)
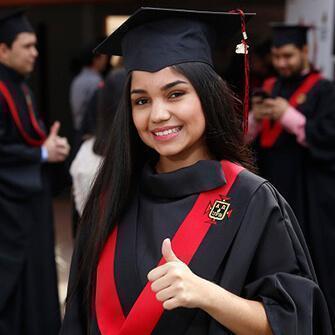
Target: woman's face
(168,116)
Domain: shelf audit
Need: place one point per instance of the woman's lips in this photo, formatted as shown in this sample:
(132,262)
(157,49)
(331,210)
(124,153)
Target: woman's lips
(166,133)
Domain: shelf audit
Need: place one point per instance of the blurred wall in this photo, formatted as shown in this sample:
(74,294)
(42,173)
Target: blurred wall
(304,11)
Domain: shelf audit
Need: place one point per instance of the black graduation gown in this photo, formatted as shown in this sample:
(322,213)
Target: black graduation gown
(305,176)
(28,290)
(258,253)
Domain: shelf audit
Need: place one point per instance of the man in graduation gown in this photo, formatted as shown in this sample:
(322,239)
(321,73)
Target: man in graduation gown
(28,291)
(293,122)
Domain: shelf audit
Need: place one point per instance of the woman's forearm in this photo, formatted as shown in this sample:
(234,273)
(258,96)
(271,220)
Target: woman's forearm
(240,315)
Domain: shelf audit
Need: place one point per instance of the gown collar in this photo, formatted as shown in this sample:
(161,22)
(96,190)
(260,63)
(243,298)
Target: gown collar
(200,177)
(297,78)
(9,74)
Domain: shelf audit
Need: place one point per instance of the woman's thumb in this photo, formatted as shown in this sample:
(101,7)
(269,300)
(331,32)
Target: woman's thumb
(167,251)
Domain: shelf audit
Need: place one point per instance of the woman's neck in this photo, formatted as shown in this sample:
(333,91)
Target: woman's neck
(182,160)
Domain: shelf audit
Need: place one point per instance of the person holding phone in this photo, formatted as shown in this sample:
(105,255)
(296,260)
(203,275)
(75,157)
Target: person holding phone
(294,133)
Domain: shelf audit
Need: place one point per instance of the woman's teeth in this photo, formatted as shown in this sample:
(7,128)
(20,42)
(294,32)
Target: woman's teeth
(167,132)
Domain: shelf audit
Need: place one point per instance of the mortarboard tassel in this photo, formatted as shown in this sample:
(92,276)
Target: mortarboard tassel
(243,48)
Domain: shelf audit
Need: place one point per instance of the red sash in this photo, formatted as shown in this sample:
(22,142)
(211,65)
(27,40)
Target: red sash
(270,134)
(15,115)
(147,310)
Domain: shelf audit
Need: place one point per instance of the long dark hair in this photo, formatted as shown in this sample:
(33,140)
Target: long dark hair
(108,101)
(126,156)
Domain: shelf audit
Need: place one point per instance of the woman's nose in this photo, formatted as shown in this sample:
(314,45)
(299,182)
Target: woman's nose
(160,112)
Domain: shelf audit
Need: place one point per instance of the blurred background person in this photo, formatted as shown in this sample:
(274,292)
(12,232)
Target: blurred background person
(89,157)
(83,98)
(261,66)
(294,118)
(28,291)
(89,122)
(83,87)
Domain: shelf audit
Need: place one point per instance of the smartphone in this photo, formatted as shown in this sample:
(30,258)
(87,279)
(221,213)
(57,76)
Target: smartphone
(261,94)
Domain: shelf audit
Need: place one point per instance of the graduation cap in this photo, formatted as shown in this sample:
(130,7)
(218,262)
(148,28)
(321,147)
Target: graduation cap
(13,22)
(154,38)
(289,34)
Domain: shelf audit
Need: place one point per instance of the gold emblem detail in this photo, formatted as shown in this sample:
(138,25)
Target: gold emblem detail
(219,210)
(301,98)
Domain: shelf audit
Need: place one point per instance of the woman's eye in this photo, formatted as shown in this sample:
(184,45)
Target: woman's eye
(141,101)
(176,94)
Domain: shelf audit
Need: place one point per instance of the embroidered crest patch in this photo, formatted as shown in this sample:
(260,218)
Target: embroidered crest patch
(219,210)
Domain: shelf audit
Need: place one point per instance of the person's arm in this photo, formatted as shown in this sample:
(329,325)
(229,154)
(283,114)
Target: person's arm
(177,286)
(254,127)
(257,113)
(241,316)
(57,147)
(281,274)
(290,118)
(54,149)
(14,153)
(320,125)
(316,129)
(294,122)
(279,293)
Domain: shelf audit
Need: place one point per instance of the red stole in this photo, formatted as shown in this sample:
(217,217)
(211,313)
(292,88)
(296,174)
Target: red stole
(147,311)
(15,115)
(270,133)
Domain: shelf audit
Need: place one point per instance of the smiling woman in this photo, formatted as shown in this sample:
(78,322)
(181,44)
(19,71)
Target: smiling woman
(168,116)
(178,236)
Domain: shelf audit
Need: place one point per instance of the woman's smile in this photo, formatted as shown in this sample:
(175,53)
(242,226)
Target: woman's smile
(168,115)
(166,133)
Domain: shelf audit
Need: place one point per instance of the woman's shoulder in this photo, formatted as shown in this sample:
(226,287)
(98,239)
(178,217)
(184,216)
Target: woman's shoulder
(259,189)
(250,182)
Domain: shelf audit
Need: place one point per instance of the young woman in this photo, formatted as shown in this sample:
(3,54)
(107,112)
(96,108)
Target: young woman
(178,237)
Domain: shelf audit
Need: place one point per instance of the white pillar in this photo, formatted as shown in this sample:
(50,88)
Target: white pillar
(319,13)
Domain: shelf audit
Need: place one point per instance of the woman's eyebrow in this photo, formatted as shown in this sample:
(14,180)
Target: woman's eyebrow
(174,83)
(164,88)
(138,91)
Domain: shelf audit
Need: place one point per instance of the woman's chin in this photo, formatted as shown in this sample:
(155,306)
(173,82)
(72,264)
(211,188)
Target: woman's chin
(169,154)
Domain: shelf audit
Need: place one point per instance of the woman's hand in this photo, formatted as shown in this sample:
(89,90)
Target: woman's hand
(174,283)
(177,286)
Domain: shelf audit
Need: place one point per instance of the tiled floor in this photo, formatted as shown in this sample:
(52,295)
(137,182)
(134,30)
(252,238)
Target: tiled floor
(64,242)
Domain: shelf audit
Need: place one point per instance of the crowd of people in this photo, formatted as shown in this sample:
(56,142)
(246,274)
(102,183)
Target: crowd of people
(187,221)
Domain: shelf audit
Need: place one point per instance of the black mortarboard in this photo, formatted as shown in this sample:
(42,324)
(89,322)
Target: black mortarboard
(13,22)
(289,34)
(154,38)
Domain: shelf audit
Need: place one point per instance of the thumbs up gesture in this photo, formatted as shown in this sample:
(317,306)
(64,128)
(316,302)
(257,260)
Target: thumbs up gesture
(168,253)
(174,283)
(54,129)
(58,147)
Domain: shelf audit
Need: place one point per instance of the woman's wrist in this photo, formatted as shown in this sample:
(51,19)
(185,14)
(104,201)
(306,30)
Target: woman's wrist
(208,293)
(240,315)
